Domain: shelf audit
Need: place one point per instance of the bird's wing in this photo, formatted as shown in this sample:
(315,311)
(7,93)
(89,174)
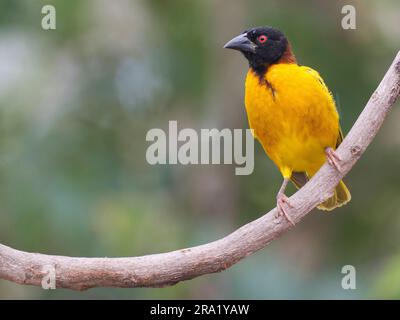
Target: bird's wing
(321,81)
(316,75)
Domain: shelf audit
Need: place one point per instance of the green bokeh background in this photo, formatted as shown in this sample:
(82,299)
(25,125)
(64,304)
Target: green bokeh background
(76,104)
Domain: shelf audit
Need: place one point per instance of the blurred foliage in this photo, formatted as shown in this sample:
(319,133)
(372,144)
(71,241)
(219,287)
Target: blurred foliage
(76,104)
(387,284)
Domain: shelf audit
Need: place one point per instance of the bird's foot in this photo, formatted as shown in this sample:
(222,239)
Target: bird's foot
(333,158)
(281,201)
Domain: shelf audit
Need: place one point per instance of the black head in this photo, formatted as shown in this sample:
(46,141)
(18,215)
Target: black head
(262,46)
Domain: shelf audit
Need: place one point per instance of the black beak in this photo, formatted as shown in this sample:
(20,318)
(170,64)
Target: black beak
(241,43)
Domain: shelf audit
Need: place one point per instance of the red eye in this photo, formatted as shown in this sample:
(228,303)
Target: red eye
(262,39)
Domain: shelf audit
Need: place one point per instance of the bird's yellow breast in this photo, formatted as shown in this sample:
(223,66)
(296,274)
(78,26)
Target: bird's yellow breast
(293,115)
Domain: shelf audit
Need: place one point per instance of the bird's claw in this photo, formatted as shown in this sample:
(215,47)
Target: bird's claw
(333,158)
(281,201)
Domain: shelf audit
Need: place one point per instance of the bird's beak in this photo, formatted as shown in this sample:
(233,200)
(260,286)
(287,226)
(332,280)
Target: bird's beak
(241,43)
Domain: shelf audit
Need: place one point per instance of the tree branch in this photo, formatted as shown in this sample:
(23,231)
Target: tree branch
(166,269)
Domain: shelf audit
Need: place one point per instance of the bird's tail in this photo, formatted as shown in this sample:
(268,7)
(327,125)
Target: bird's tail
(340,197)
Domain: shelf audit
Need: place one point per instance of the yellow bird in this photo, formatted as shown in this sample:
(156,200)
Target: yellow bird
(291,111)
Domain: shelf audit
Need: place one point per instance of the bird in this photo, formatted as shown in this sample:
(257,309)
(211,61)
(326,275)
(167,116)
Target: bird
(291,112)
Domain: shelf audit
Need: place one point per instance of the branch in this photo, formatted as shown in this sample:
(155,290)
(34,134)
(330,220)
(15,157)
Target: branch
(166,269)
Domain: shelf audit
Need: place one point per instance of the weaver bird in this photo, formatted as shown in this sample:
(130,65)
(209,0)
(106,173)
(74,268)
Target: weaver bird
(291,111)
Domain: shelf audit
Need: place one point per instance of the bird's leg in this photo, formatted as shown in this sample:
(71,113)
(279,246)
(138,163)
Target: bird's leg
(333,158)
(281,200)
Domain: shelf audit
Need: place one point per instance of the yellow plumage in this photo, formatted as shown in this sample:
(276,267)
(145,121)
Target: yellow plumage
(294,117)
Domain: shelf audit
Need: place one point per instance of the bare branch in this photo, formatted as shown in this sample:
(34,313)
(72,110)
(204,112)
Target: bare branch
(169,268)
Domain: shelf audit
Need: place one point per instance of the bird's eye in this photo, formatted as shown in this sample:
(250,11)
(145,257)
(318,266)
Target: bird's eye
(262,39)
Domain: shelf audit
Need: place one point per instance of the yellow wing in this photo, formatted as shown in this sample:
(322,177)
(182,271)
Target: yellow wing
(299,179)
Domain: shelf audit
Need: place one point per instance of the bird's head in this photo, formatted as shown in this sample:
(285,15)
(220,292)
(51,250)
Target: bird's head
(262,46)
